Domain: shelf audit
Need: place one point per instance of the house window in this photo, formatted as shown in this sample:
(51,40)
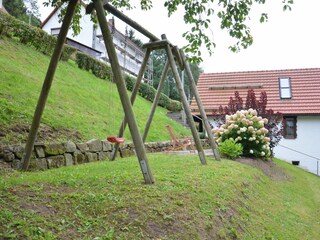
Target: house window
(55,31)
(285,88)
(290,128)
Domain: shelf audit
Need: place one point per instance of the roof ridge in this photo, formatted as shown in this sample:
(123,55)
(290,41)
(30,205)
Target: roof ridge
(260,71)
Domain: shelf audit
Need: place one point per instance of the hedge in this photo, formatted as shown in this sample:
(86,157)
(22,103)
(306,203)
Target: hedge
(32,36)
(45,43)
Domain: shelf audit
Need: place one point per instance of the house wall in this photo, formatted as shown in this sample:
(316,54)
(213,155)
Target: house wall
(86,34)
(307,142)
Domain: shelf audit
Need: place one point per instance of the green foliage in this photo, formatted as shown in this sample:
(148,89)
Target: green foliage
(7,111)
(246,128)
(98,68)
(230,149)
(32,36)
(27,10)
(130,81)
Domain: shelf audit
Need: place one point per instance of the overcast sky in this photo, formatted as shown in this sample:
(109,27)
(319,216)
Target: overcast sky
(288,40)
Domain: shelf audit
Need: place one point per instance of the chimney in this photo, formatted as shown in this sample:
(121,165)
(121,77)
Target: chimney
(111,23)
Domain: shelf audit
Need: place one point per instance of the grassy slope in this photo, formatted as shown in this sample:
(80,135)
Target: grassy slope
(107,200)
(77,101)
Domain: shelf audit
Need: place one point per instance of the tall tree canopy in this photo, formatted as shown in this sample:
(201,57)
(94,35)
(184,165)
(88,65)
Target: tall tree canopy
(25,10)
(232,16)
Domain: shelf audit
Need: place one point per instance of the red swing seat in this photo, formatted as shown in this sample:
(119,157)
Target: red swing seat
(114,139)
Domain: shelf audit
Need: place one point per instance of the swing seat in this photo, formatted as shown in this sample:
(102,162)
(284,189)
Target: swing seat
(114,139)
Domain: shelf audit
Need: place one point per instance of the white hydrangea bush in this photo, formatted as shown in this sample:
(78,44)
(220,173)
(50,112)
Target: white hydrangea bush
(246,128)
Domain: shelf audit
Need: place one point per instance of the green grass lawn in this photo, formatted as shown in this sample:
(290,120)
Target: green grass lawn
(108,200)
(79,104)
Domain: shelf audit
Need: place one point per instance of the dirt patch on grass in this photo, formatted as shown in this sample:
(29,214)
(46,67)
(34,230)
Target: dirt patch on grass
(268,167)
(18,133)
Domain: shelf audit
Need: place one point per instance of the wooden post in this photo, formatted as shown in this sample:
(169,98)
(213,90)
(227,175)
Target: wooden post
(129,21)
(132,99)
(126,104)
(156,100)
(185,104)
(200,106)
(47,83)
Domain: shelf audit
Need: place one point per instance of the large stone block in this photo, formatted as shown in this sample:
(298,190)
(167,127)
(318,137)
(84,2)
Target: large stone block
(70,147)
(39,151)
(83,147)
(91,157)
(38,164)
(79,157)
(69,159)
(18,150)
(103,156)
(106,146)
(16,164)
(54,149)
(8,156)
(56,161)
(95,145)
(126,152)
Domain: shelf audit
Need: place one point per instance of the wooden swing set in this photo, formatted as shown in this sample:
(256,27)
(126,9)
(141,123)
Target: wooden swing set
(174,55)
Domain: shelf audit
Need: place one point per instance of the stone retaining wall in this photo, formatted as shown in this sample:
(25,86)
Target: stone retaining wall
(54,155)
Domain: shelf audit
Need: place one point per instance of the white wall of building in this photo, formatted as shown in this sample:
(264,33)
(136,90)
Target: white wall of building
(307,142)
(86,34)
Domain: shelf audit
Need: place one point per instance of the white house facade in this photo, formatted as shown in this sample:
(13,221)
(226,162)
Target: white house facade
(293,92)
(305,147)
(90,41)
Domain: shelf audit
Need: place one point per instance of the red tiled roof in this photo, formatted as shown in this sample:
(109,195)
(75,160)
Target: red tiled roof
(215,89)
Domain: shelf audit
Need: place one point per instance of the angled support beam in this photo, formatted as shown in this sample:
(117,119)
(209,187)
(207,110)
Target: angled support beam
(178,58)
(47,83)
(156,100)
(126,104)
(200,106)
(185,104)
(132,99)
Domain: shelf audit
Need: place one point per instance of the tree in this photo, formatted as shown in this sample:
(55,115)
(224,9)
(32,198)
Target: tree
(24,10)
(274,125)
(133,38)
(33,12)
(159,58)
(15,8)
(232,17)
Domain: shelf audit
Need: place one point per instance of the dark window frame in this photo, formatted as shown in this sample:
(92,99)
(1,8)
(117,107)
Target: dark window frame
(285,88)
(287,132)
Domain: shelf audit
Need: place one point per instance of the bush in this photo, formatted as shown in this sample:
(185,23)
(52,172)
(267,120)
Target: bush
(32,36)
(274,125)
(230,149)
(246,128)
